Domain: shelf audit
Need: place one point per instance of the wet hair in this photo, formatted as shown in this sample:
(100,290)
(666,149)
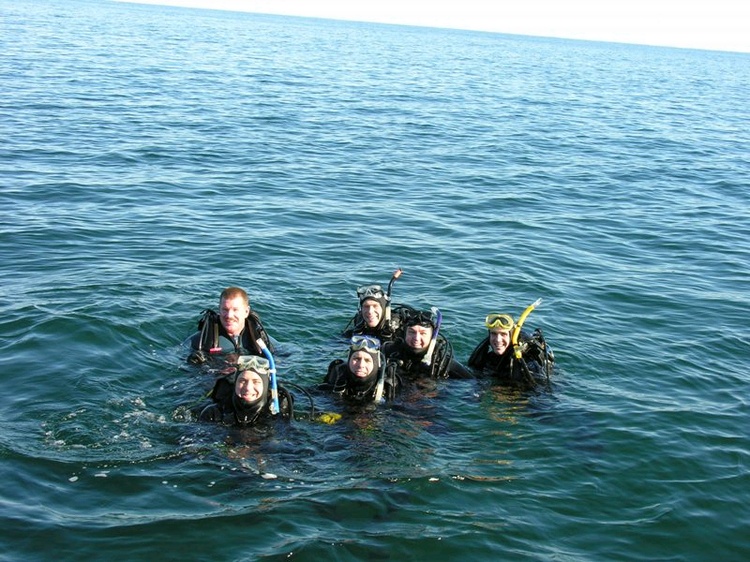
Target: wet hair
(234,292)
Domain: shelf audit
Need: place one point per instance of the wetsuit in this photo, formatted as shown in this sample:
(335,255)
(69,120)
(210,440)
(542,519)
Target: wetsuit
(228,408)
(385,331)
(212,338)
(534,367)
(409,366)
(340,380)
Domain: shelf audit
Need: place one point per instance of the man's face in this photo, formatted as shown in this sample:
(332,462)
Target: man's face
(249,386)
(372,312)
(361,364)
(499,341)
(418,337)
(233,312)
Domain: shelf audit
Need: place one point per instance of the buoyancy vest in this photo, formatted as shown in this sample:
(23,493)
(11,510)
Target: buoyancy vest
(213,338)
(409,365)
(385,331)
(226,407)
(339,380)
(534,367)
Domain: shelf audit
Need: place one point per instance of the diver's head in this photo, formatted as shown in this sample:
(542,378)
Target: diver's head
(418,329)
(500,327)
(234,308)
(251,383)
(364,357)
(372,303)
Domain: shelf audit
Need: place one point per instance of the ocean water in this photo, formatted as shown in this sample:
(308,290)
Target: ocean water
(151,156)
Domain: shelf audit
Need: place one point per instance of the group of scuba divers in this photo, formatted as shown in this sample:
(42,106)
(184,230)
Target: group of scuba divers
(390,348)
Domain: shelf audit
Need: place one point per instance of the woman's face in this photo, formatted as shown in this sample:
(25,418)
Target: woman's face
(361,363)
(249,386)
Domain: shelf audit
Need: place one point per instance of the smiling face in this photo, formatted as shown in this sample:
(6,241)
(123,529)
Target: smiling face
(249,386)
(499,341)
(418,337)
(372,312)
(233,312)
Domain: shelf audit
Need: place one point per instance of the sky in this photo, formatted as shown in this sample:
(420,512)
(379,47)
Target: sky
(722,25)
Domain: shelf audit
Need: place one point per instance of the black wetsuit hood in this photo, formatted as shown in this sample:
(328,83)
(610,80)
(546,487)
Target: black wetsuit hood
(247,412)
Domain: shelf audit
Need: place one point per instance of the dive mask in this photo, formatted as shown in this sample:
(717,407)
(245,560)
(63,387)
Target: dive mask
(425,318)
(367,343)
(496,321)
(253,363)
(371,292)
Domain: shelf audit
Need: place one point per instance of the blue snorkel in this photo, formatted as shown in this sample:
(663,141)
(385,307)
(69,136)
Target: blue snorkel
(272,372)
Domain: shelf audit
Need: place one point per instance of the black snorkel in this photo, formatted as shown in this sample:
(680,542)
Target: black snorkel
(396,275)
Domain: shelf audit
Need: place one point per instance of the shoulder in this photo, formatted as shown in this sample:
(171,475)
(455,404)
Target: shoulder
(335,368)
(393,348)
(478,357)
(211,413)
(457,371)
(193,341)
(257,324)
(335,379)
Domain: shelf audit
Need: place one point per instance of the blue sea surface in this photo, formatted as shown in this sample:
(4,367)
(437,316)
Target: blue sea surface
(152,156)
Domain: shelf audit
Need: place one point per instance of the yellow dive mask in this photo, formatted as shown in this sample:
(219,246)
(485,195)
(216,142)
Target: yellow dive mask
(502,321)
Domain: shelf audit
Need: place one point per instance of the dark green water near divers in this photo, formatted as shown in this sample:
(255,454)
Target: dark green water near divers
(152,156)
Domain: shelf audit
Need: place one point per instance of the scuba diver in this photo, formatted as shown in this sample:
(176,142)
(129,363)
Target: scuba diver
(512,356)
(422,351)
(247,396)
(362,377)
(376,316)
(234,329)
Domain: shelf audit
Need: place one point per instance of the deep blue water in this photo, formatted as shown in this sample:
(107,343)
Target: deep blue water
(152,156)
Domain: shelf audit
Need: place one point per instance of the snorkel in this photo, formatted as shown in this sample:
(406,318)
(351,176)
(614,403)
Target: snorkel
(517,328)
(272,372)
(216,348)
(381,382)
(427,359)
(396,275)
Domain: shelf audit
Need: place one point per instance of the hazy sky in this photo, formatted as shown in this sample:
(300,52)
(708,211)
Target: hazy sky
(701,24)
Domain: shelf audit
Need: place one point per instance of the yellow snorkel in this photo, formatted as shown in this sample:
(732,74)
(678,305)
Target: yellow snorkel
(517,327)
